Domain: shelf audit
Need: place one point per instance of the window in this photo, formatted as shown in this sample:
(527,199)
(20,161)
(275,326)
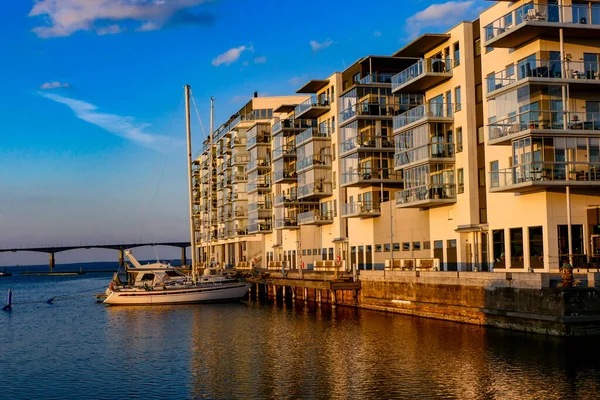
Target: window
(386,247)
(426,245)
(576,242)
(456,54)
(332,95)
(449,110)
(489,49)
(460,176)
(405,246)
(335,208)
(536,247)
(303,252)
(477,46)
(498,248)
(377,248)
(459,140)
(396,246)
(481,173)
(308,252)
(494,174)
(480,135)
(333,152)
(356,77)
(416,246)
(483,216)
(516,247)
(457,98)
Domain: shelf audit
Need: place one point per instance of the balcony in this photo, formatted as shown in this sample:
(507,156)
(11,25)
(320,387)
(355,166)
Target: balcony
(313,133)
(426,196)
(260,183)
(286,223)
(317,190)
(580,75)
(287,175)
(239,213)
(313,107)
(377,78)
(361,209)
(366,142)
(315,217)
(288,151)
(262,138)
(316,161)
(291,200)
(262,163)
(368,176)
(431,152)
(425,113)
(261,227)
(241,159)
(534,20)
(368,110)
(237,141)
(239,177)
(423,75)
(291,126)
(238,232)
(537,176)
(543,123)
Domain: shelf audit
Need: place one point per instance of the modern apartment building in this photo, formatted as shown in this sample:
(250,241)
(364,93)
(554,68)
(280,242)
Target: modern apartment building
(477,147)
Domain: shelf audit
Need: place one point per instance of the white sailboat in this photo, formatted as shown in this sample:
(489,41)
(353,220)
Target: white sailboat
(160,283)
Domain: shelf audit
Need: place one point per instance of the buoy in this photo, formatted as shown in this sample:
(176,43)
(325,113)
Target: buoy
(8,306)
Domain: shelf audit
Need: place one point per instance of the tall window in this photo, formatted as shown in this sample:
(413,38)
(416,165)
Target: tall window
(457,98)
(590,61)
(516,247)
(498,248)
(459,140)
(456,54)
(536,247)
(460,177)
(449,110)
(494,174)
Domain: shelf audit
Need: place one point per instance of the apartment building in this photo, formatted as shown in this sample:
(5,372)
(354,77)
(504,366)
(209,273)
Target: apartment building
(478,147)
(540,61)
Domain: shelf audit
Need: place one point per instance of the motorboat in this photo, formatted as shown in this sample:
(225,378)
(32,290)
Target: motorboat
(161,283)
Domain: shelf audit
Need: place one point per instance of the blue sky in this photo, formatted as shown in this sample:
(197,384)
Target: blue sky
(92,138)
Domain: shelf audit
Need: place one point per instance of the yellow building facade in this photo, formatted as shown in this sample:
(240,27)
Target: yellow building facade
(475,149)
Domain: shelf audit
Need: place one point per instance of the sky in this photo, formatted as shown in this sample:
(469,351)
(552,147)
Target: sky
(92,134)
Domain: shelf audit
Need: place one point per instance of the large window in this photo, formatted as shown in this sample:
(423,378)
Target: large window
(576,244)
(498,248)
(516,247)
(536,247)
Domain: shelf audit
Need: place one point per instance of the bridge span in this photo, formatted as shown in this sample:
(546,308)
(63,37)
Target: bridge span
(121,247)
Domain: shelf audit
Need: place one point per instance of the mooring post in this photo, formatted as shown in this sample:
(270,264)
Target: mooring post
(8,306)
(183,259)
(51,262)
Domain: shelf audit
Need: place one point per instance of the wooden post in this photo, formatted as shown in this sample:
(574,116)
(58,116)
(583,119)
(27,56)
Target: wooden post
(51,262)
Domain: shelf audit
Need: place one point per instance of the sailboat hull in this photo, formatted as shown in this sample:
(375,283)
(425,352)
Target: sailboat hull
(178,295)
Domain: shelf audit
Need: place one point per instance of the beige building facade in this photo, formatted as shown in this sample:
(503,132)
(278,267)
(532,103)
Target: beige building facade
(472,149)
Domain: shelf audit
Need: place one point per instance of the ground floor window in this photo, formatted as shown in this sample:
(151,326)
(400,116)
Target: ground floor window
(498,248)
(516,247)
(576,244)
(536,247)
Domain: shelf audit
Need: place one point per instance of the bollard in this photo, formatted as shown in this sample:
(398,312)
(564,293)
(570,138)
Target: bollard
(8,306)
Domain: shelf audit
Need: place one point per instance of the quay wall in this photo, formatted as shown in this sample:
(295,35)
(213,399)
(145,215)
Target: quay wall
(517,301)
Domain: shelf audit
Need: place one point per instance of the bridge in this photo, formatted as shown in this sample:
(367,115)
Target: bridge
(121,247)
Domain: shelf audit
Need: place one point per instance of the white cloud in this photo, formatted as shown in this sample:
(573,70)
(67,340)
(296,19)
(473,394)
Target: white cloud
(377,34)
(316,46)
(65,17)
(298,80)
(54,85)
(230,56)
(125,127)
(443,14)
(260,60)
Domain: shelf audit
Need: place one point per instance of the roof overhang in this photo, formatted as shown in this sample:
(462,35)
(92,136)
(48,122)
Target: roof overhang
(285,108)
(422,44)
(313,86)
(472,228)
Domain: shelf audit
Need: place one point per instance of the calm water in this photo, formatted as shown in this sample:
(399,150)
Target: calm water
(76,348)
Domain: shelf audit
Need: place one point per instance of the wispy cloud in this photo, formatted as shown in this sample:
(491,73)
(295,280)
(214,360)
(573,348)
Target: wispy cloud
(260,60)
(442,15)
(316,46)
(230,56)
(377,34)
(298,80)
(122,126)
(65,17)
(55,85)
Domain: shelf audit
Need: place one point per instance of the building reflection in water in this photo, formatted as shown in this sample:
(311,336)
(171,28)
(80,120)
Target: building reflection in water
(268,350)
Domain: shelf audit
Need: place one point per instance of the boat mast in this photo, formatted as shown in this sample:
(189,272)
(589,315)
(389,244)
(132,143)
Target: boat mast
(210,175)
(190,178)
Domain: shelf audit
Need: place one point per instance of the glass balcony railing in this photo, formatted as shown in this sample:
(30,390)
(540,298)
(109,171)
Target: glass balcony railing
(377,77)
(548,69)
(369,174)
(576,14)
(366,142)
(288,173)
(430,151)
(259,227)
(423,193)
(313,101)
(315,189)
(546,172)
(420,68)
(310,133)
(369,110)
(422,112)
(287,222)
(259,162)
(315,217)
(293,123)
(259,205)
(263,138)
(240,159)
(544,120)
(360,207)
(286,150)
(323,160)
